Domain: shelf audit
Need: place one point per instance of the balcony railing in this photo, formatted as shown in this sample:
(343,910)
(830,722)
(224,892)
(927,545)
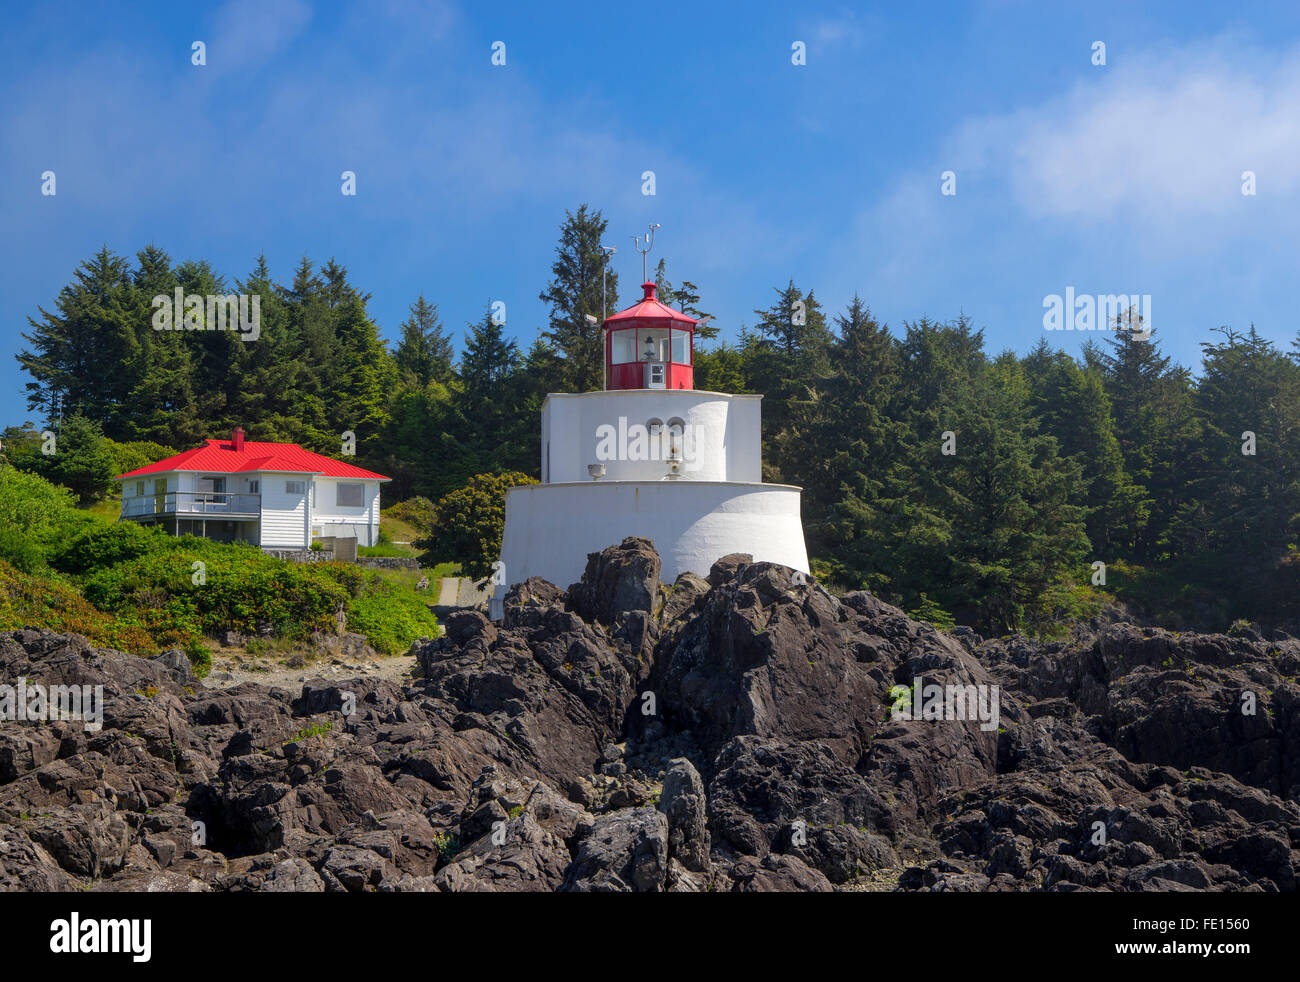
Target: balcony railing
(193,503)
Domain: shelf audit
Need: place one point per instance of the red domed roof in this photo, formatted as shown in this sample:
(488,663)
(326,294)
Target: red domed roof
(650,308)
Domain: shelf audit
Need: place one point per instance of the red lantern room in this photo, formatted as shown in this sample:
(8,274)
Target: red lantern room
(649,346)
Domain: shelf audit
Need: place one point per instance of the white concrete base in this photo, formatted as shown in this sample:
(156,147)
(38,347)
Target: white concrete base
(550,528)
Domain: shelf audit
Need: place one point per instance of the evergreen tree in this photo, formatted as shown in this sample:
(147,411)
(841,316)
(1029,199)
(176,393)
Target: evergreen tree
(269,404)
(574,293)
(81,351)
(161,405)
(786,355)
(1156,428)
(424,353)
(81,461)
(1071,404)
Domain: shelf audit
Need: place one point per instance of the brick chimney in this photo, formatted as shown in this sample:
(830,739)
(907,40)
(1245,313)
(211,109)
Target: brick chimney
(237,438)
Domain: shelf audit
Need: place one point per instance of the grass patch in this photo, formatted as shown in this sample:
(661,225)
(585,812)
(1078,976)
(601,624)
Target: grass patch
(388,549)
(397,529)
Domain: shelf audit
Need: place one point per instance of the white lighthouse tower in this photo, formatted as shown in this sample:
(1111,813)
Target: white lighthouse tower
(650,456)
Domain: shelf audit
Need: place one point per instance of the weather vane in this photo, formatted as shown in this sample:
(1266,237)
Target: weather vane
(649,244)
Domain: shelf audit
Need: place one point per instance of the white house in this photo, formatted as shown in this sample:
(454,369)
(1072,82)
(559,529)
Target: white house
(273,495)
(649,455)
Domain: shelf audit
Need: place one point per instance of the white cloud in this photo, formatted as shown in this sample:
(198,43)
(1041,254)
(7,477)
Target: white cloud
(1163,137)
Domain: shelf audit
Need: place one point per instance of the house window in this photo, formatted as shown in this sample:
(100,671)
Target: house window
(139,489)
(254,487)
(348,495)
(294,487)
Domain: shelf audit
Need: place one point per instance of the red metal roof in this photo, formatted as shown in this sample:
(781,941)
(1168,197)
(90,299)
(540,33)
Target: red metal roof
(650,308)
(221,457)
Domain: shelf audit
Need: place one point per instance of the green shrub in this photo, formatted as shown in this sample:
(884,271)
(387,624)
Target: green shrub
(31,504)
(20,551)
(930,612)
(200,657)
(352,578)
(40,601)
(243,589)
(391,619)
(102,545)
(468,523)
(134,454)
(418,511)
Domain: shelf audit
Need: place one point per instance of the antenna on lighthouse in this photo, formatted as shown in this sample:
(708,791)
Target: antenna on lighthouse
(649,244)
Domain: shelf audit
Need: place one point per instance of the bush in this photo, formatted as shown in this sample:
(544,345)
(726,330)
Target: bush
(391,619)
(32,505)
(200,657)
(243,589)
(468,523)
(135,454)
(418,511)
(20,551)
(103,545)
(39,601)
(930,612)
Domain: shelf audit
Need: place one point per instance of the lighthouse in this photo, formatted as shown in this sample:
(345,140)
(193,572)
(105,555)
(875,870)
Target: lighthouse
(649,455)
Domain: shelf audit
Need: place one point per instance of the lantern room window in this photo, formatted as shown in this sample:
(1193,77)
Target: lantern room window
(622,345)
(681,344)
(652,343)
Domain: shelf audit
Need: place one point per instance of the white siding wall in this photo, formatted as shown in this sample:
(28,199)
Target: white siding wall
(333,519)
(284,515)
(129,486)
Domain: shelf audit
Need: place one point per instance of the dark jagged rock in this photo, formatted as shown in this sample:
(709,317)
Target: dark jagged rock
(618,581)
(729,734)
(683,801)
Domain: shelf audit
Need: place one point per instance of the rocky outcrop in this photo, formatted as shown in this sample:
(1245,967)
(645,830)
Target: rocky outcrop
(741,733)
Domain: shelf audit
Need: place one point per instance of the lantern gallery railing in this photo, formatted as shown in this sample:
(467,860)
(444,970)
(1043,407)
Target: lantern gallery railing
(193,503)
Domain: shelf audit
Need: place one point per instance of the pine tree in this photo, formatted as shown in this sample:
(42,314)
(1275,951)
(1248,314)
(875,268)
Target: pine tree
(269,403)
(574,293)
(844,431)
(1157,430)
(81,352)
(161,405)
(425,352)
(1071,405)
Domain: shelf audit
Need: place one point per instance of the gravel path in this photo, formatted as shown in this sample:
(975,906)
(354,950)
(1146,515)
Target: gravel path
(227,673)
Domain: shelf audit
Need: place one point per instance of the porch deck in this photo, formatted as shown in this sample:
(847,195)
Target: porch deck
(194,504)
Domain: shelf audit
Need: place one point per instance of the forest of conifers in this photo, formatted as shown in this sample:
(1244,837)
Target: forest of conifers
(1184,481)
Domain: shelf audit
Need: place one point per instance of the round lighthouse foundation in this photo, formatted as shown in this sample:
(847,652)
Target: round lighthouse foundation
(551,528)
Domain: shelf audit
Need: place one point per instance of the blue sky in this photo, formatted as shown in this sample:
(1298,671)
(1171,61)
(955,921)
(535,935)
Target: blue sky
(1117,179)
